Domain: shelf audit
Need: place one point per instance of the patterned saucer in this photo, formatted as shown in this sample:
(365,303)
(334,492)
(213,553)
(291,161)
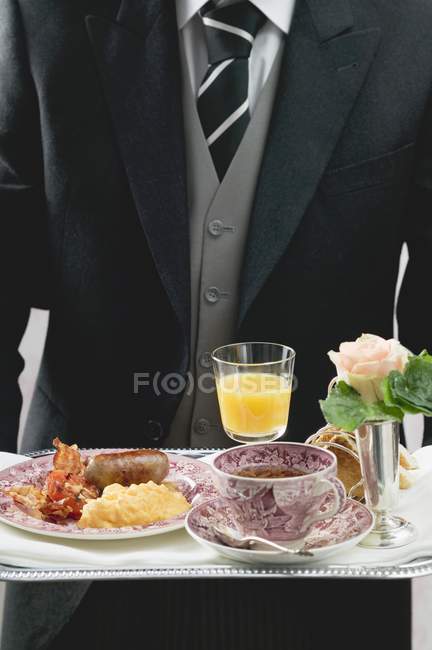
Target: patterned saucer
(326,538)
(192,477)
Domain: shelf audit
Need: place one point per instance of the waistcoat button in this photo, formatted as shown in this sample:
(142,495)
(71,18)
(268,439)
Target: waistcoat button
(215,227)
(205,360)
(201,426)
(212,295)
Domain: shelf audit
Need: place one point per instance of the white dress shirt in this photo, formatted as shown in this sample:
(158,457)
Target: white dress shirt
(265,47)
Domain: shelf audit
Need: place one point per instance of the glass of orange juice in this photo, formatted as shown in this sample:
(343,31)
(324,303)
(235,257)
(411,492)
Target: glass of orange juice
(253,382)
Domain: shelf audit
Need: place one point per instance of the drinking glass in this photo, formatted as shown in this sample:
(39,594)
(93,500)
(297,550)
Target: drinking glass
(253,382)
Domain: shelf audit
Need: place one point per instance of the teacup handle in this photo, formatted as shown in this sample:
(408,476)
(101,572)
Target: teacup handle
(340,487)
(336,486)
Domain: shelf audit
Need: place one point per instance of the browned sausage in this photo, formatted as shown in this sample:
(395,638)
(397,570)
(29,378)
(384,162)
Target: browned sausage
(127,467)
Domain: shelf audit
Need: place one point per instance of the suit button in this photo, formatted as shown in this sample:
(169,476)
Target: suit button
(201,426)
(154,430)
(212,295)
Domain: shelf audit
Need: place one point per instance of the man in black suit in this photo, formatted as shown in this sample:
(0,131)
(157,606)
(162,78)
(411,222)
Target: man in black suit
(97,189)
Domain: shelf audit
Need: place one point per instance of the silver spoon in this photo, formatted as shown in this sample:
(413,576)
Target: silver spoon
(231,537)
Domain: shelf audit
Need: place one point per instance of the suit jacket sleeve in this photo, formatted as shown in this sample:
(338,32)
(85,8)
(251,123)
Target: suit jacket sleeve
(414,306)
(21,205)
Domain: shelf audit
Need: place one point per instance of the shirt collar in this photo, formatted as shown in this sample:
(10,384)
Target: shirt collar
(280,12)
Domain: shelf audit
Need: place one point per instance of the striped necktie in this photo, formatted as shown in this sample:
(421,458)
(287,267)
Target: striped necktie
(222,99)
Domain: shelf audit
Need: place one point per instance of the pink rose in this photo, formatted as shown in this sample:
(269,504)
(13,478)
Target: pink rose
(365,362)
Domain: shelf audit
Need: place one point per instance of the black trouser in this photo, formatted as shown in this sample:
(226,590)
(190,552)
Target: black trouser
(243,614)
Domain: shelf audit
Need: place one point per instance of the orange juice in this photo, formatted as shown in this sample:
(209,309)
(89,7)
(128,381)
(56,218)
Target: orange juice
(254,405)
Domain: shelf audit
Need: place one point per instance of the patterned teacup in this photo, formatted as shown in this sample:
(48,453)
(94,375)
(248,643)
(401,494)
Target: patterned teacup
(300,488)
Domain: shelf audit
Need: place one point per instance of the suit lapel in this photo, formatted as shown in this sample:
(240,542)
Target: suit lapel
(324,66)
(138,60)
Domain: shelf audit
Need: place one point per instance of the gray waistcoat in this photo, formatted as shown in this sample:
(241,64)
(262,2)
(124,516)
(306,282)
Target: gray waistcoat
(219,220)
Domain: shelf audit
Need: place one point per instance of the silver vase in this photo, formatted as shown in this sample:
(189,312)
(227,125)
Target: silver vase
(378,448)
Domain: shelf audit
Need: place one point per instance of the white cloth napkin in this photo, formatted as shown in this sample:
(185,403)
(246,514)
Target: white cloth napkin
(177,549)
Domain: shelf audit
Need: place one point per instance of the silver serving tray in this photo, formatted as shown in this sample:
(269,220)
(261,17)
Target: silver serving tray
(414,569)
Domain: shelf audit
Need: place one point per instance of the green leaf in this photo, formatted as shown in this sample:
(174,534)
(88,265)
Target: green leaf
(412,390)
(392,401)
(381,411)
(345,409)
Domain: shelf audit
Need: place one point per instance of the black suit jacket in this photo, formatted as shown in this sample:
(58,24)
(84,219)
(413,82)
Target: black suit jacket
(93,205)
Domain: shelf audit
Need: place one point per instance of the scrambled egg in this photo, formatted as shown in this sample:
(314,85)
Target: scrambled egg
(136,505)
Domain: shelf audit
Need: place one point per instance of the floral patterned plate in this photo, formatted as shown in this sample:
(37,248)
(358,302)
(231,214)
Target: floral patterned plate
(326,538)
(192,477)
